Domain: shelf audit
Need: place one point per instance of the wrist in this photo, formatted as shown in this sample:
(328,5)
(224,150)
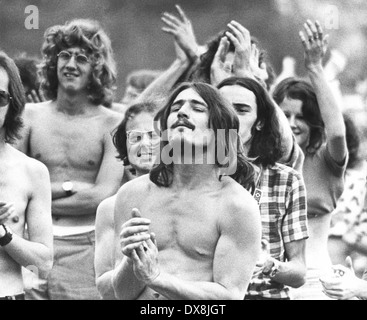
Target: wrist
(315,69)
(151,281)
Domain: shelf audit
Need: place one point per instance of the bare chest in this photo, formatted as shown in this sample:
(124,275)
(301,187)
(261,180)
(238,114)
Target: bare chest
(15,188)
(188,224)
(68,143)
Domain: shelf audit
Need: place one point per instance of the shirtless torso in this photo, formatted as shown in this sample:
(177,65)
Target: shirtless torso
(75,147)
(205,235)
(24,183)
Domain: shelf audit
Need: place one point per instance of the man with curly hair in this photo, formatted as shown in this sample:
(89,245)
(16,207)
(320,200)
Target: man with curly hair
(71,135)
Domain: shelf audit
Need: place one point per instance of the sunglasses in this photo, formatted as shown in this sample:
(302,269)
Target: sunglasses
(135,137)
(80,58)
(4,98)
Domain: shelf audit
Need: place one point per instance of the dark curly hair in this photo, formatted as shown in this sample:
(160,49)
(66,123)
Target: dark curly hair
(13,120)
(88,35)
(299,89)
(222,116)
(119,135)
(266,146)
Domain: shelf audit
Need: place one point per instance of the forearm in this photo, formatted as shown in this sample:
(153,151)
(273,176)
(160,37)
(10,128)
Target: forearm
(30,254)
(166,81)
(105,287)
(329,107)
(173,288)
(124,282)
(286,134)
(291,273)
(82,203)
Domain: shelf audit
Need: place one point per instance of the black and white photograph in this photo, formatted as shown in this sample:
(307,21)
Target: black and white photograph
(157,150)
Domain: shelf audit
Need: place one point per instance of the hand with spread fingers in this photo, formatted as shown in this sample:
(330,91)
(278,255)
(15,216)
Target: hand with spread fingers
(134,233)
(145,259)
(36,96)
(221,68)
(183,32)
(315,44)
(241,39)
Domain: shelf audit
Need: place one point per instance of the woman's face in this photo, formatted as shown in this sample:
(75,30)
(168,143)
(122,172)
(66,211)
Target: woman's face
(292,109)
(244,102)
(142,142)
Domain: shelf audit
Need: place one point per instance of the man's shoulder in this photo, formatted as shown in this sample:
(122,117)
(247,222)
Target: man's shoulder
(135,186)
(34,109)
(110,115)
(33,166)
(236,196)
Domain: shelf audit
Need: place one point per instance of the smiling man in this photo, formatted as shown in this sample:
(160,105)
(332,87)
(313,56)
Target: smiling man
(185,231)
(71,135)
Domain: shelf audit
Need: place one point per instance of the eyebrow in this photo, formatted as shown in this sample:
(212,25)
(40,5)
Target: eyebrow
(191,101)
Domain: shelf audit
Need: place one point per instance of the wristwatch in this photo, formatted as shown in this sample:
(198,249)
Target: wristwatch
(67,186)
(7,237)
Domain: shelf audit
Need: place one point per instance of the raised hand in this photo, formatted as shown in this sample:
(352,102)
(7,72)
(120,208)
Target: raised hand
(134,233)
(183,32)
(220,68)
(315,44)
(241,39)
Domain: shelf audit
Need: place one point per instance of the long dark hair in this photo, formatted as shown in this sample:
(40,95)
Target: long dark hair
(298,89)
(266,146)
(88,35)
(221,116)
(13,120)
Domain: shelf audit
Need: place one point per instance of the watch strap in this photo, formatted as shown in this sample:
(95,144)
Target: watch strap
(7,238)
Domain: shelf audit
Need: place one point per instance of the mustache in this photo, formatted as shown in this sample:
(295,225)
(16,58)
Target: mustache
(183,122)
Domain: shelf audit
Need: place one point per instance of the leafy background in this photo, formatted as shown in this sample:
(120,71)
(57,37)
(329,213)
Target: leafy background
(135,28)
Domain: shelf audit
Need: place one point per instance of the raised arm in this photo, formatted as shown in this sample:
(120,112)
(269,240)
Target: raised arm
(315,47)
(187,54)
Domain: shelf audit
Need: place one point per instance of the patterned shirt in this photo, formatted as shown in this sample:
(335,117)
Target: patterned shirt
(283,208)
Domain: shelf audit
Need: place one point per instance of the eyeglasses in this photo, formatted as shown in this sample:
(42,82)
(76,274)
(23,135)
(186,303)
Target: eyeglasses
(135,137)
(80,58)
(4,98)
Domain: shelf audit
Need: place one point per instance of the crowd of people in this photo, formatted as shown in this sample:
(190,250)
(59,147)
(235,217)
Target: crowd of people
(214,179)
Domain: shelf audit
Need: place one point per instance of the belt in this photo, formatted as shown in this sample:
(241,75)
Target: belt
(16,297)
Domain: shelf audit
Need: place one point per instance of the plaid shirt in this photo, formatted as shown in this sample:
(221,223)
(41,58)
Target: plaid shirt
(283,208)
